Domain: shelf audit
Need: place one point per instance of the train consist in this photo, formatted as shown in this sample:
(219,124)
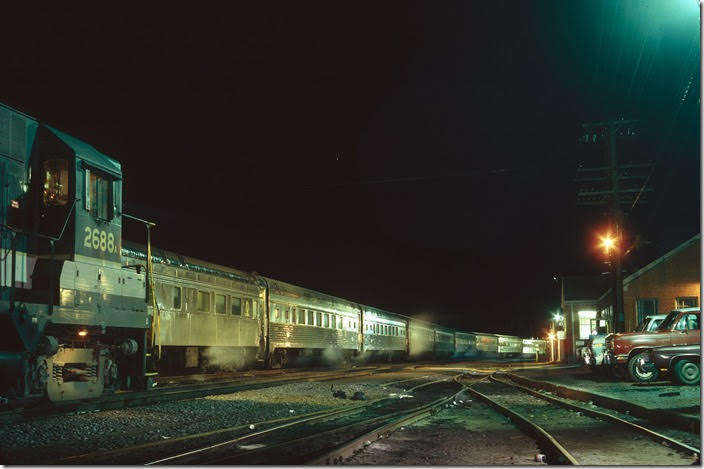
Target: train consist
(82,313)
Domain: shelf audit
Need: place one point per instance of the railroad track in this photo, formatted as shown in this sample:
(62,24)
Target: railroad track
(125,400)
(324,435)
(569,433)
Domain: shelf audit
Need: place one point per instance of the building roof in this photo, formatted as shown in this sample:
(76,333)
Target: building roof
(695,239)
(584,287)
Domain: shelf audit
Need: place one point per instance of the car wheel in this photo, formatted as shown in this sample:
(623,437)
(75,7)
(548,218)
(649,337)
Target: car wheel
(686,372)
(638,375)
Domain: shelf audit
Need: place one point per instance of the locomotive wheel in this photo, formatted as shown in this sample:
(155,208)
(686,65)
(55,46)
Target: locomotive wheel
(638,375)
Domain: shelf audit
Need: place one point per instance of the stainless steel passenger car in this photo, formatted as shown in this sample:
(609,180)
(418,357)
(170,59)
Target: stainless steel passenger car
(385,334)
(465,345)
(208,315)
(305,323)
(509,346)
(487,344)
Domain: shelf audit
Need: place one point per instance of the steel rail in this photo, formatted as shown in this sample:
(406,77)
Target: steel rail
(549,443)
(689,423)
(346,450)
(192,457)
(655,436)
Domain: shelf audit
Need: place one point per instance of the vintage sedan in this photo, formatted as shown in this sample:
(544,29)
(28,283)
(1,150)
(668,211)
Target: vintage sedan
(682,362)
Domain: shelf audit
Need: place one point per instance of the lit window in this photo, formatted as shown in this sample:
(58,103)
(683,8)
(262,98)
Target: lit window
(585,318)
(220,304)
(686,302)
(203,301)
(55,182)
(235,306)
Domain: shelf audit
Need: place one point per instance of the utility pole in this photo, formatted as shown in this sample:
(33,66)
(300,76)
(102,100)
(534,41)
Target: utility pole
(613,184)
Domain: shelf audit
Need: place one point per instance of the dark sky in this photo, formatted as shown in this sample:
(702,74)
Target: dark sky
(416,156)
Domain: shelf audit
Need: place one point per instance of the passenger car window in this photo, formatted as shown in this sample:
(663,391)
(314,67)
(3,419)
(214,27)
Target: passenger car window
(287,315)
(318,319)
(301,316)
(310,317)
(220,304)
(235,306)
(55,182)
(176,300)
(203,301)
(326,323)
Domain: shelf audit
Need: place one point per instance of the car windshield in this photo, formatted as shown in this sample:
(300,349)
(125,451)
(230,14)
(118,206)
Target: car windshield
(642,325)
(667,322)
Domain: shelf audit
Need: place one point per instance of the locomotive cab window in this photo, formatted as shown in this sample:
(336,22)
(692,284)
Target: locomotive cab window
(55,191)
(97,195)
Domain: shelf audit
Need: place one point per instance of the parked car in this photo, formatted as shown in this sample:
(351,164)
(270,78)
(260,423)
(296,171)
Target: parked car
(650,323)
(624,350)
(682,362)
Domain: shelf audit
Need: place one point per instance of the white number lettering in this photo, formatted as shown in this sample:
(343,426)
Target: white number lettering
(86,241)
(103,242)
(111,242)
(96,238)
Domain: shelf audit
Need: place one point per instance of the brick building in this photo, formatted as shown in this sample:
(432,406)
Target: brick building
(669,282)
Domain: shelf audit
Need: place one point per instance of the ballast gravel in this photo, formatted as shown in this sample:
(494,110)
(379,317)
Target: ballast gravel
(47,440)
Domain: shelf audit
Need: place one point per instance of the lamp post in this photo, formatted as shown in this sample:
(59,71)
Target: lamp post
(612,250)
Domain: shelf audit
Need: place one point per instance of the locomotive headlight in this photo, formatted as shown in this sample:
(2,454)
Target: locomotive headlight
(83,333)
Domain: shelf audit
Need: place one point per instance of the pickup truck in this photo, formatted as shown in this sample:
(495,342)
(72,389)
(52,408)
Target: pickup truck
(625,350)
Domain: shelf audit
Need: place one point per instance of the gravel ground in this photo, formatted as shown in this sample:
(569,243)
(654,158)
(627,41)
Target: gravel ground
(657,395)
(46,440)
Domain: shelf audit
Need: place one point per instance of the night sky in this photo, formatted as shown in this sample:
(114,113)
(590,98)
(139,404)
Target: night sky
(415,156)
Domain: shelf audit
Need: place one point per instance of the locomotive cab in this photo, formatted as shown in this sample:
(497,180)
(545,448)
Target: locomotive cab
(88,316)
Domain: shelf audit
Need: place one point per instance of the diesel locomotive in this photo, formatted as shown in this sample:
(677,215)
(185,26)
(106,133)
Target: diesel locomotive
(83,313)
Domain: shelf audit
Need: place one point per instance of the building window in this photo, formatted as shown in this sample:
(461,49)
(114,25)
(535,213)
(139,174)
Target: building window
(646,307)
(585,323)
(686,302)
(55,182)
(203,301)
(220,304)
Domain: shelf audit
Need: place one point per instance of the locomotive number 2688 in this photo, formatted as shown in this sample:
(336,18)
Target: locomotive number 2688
(99,240)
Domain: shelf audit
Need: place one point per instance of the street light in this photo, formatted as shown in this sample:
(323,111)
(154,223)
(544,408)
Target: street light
(608,243)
